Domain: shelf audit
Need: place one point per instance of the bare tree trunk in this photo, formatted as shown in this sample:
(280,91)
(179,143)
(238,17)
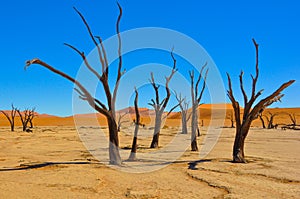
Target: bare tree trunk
(184,123)
(196,98)
(194,145)
(239,142)
(114,155)
(132,156)
(157,127)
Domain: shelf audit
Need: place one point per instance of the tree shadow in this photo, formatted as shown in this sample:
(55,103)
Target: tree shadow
(193,164)
(44,164)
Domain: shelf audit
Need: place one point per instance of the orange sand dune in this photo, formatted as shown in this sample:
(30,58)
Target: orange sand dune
(147,116)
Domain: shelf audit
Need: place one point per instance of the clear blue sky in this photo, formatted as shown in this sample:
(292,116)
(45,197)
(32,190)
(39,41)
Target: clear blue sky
(224,28)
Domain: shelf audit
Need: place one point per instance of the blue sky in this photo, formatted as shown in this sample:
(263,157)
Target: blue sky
(224,28)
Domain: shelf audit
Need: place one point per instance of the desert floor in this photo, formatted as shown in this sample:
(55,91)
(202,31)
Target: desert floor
(52,162)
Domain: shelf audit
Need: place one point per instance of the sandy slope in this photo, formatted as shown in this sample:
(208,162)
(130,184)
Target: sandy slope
(52,162)
(220,111)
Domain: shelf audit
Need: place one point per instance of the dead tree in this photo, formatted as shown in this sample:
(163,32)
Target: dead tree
(132,155)
(196,98)
(231,118)
(184,107)
(243,126)
(121,121)
(11,117)
(108,110)
(159,106)
(31,117)
(26,118)
(270,120)
(293,119)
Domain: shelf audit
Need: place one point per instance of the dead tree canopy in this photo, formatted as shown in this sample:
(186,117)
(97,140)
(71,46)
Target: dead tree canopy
(270,119)
(108,109)
(196,98)
(160,105)
(243,125)
(11,117)
(26,118)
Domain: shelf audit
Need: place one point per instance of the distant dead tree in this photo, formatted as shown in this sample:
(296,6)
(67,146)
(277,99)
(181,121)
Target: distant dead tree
(121,121)
(108,110)
(26,118)
(11,117)
(293,124)
(243,126)
(196,98)
(132,155)
(293,118)
(270,120)
(231,118)
(184,107)
(160,106)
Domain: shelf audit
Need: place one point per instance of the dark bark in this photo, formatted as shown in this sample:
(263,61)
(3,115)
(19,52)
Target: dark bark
(114,155)
(132,155)
(196,98)
(250,114)
(239,142)
(155,138)
(198,132)
(194,145)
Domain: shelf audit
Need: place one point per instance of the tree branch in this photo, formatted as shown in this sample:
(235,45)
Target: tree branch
(92,37)
(235,104)
(120,57)
(274,97)
(90,99)
(85,60)
(203,87)
(136,107)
